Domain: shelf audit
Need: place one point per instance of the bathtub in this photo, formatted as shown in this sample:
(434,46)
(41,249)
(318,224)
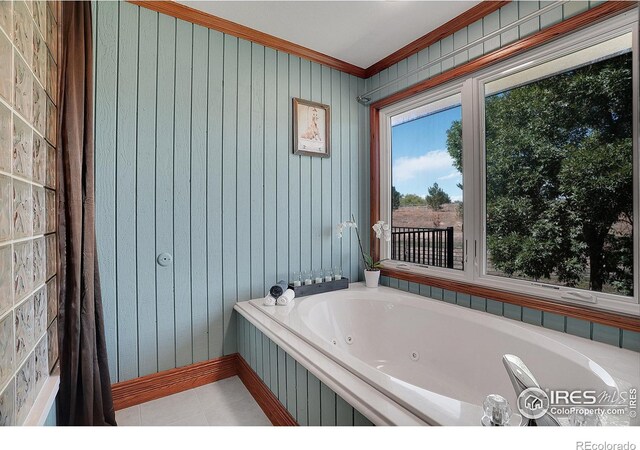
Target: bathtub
(433,363)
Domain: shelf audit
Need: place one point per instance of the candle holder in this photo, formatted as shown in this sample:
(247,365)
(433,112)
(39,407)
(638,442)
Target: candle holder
(297,279)
(320,288)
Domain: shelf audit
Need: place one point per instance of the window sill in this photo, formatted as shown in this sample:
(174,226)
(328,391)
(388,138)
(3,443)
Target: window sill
(44,402)
(626,322)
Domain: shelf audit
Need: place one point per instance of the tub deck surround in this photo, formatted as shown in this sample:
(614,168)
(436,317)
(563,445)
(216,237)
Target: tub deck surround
(364,398)
(429,362)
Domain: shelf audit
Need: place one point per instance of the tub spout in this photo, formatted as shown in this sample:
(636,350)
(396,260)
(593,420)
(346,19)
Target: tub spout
(522,379)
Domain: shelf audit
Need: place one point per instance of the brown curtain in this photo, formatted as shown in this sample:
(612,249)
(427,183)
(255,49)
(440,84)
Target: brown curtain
(85,388)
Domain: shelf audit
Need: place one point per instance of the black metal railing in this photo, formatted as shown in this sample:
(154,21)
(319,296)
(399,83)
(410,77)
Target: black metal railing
(430,246)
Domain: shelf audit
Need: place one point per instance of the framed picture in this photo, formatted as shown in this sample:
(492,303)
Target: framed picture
(311,133)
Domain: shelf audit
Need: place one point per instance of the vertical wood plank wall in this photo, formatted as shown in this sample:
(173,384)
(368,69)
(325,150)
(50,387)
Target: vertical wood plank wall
(308,400)
(193,158)
(490,23)
(578,327)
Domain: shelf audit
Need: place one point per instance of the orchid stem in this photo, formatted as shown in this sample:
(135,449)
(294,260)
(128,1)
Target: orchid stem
(364,261)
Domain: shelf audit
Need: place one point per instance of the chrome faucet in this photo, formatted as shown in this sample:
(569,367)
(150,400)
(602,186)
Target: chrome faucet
(522,379)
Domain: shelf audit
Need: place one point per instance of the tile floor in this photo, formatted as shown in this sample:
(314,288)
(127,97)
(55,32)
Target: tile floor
(223,403)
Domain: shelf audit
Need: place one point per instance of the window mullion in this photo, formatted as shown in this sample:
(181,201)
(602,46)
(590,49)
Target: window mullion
(468,177)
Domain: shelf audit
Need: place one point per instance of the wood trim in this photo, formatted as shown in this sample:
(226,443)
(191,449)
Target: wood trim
(457,23)
(625,322)
(150,387)
(582,20)
(374,172)
(597,13)
(161,384)
(183,12)
(275,411)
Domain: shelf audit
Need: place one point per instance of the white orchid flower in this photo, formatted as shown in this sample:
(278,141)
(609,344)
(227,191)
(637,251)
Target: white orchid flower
(346,224)
(383,230)
(378,228)
(387,231)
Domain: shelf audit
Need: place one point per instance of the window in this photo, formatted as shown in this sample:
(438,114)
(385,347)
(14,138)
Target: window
(426,180)
(542,178)
(559,172)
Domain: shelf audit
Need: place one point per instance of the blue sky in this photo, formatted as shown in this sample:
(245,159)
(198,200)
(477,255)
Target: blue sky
(419,155)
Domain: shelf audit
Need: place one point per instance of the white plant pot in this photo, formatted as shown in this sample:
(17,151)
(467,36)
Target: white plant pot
(371,278)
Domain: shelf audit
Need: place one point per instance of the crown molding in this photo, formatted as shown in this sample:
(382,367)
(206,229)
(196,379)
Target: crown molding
(457,23)
(183,12)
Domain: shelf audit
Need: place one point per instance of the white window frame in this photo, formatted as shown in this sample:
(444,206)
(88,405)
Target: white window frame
(386,114)
(472,91)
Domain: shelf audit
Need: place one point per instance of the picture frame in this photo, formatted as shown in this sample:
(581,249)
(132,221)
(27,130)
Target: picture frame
(311,128)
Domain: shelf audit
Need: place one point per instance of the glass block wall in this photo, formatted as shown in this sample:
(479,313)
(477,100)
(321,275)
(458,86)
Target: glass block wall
(28,247)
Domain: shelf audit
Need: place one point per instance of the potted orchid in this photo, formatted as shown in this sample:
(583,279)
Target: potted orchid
(371,267)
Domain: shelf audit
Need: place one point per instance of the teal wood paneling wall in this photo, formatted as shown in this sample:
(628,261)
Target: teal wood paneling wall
(193,158)
(193,139)
(307,399)
(482,27)
(629,340)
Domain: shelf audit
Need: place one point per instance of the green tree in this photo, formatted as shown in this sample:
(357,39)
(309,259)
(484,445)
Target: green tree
(559,176)
(436,197)
(454,146)
(412,200)
(395,198)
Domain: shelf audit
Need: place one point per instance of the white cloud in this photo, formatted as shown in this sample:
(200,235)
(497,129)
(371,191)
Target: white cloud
(407,168)
(451,176)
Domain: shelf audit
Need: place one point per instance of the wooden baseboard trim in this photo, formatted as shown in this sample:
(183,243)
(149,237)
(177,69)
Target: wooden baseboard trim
(275,411)
(161,384)
(150,387)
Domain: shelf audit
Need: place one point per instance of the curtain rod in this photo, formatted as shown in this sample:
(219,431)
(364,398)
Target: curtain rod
(365,98)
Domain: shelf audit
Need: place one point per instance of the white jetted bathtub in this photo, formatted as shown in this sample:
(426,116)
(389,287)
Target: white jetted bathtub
(433,362)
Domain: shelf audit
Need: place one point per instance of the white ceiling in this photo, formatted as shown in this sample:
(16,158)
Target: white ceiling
(358,32)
